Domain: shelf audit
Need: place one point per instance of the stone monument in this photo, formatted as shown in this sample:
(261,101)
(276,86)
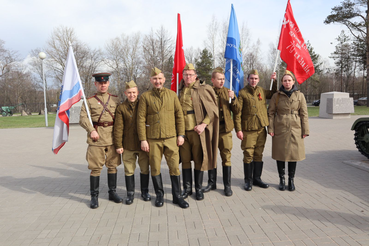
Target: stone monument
(336,105)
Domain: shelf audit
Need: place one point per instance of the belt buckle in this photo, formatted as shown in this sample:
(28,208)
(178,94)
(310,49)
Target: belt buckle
(105,124)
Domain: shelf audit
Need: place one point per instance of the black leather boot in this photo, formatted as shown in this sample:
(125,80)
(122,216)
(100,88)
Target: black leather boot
(258,169)
(291,175)
(94,190)
(159,190)
(112,184)
(281,172)
(248,169)
(212,180)
(144,179)
(187,182)
(130,184)
(176,192)
(199,176)
(227,180)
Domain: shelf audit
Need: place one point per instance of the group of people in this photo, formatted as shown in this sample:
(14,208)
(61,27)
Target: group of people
(191,127)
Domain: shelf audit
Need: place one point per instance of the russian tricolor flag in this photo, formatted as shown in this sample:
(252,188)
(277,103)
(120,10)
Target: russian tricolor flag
(70,93)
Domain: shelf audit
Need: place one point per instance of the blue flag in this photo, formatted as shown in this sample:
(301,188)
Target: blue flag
(233,52)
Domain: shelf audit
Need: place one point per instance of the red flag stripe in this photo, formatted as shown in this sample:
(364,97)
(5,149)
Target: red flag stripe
(179,58)
(293,49)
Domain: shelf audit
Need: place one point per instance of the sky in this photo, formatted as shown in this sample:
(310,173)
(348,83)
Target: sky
(27,25)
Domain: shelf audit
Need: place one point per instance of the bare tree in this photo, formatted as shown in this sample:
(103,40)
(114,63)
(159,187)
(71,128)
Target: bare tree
(7,57)
(158,49)
(212,38)
(191,54)
(87,59)
(124,57)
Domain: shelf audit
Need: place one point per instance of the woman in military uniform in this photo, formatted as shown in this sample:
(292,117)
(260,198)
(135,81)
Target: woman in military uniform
(288,125)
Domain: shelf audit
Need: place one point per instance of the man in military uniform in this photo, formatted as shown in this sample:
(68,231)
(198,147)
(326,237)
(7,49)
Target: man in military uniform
(126,143)
(161,130)
(200,111)
(226,126)
(250,127)
(100,149)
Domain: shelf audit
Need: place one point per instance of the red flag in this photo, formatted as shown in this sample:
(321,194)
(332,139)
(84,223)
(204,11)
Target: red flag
(293,49)
(179,58)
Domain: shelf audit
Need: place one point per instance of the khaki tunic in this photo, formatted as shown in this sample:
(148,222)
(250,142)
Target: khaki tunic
(289,122)
(226,124)
(159,115)
(252,120)
(125,126)
(126,137)
(101,153)
(160,122)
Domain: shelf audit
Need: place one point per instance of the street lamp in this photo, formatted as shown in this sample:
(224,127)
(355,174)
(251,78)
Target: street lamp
(42,56)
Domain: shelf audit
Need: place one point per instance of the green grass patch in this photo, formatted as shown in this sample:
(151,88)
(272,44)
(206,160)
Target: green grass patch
(359,110)
(29,121)
(313,111)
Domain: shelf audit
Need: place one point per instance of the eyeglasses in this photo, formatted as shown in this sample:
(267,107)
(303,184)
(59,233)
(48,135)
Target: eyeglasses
(188,75)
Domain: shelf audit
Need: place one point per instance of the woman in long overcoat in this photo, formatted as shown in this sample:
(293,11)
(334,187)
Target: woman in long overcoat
(288,126)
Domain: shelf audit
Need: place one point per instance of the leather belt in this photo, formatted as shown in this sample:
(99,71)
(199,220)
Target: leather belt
(221,122)
(191,112)
(104,124)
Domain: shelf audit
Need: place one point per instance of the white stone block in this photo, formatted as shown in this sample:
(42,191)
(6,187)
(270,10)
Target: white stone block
(335,105)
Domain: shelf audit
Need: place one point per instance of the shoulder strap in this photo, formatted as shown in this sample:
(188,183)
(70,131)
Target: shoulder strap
(105,107)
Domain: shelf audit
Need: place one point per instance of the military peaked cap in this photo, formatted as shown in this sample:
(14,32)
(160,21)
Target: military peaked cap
(101,77)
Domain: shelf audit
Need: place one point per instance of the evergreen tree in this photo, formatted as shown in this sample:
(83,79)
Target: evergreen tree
(204,66)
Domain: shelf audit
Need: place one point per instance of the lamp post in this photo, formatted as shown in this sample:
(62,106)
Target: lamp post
(42,56)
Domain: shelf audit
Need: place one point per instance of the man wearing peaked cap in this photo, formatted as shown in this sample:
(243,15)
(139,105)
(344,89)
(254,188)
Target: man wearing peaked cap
(161,129)
(226,126)
(101,150)
(126,143)
(250,126)
(200,110)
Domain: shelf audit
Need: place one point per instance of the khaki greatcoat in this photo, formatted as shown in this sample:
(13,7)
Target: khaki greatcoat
(288,120)
(205,104)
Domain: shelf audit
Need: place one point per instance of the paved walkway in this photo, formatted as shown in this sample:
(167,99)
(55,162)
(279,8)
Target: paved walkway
(44,198)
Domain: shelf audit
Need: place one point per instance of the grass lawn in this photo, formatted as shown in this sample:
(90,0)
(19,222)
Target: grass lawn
(31,121)
(359,110)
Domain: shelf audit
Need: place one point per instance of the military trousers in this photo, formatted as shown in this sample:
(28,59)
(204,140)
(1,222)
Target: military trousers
(191,150)
(129,160)
(169,148)
(225,147)
(253,145)
(98,156)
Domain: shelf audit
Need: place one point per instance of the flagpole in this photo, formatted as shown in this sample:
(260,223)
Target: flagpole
(277,56)
(230,79)
(83,92)
(275,67)
(177,83)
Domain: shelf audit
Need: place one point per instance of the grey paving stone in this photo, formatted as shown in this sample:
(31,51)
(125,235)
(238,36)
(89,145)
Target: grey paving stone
(45,198)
